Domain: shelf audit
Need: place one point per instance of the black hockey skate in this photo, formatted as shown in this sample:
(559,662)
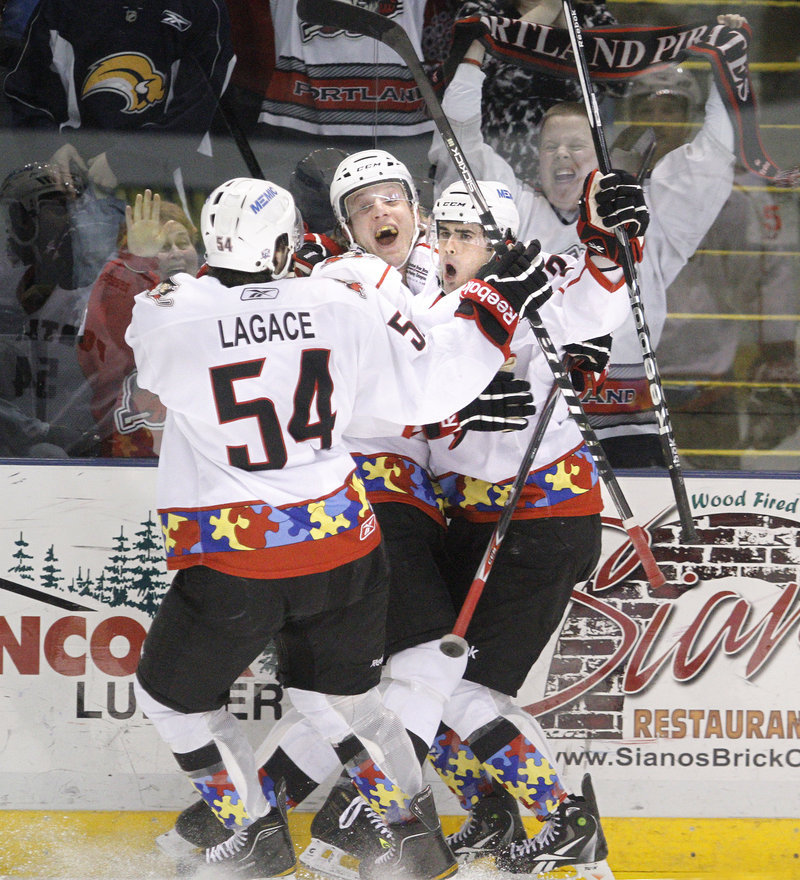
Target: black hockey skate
(263,849)
(197,827)
(419,850)
(572,837)
(492,824)
(345,830)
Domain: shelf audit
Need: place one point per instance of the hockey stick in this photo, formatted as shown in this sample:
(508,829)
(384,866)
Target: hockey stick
(363,21)
(454,644)
(665,433)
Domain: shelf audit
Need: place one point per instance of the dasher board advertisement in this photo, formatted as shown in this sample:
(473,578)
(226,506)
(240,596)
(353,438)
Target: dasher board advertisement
(679,701)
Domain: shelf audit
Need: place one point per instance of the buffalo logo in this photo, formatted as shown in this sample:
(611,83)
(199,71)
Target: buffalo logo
(130,75)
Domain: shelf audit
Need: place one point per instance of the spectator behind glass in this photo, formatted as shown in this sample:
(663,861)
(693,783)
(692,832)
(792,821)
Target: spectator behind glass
(42,305)
(719,279)
(159,241)
(684,195)
(514,99)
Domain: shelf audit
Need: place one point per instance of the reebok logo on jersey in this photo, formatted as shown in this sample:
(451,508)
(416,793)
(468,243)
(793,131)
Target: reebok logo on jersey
(172,19)
(367,528)
(251,293)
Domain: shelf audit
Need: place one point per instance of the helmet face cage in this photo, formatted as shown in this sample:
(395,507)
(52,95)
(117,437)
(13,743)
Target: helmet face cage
(245,222)
(20,195)
(367,168)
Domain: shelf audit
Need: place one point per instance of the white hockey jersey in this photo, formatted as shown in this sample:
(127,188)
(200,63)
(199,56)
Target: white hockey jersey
(476,476)
(393,461)
(331,82)
(260,383)
(685,193)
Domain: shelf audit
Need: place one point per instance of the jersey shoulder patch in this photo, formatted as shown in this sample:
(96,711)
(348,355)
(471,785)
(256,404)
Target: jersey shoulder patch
(161,294)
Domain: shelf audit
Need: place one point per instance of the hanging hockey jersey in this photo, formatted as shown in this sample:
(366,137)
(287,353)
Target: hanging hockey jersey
(331,82)
(105,64)
(260,383)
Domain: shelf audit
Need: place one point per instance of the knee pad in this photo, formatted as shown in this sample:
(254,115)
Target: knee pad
(426,667)
(336,716)
(182,732)
(470,707)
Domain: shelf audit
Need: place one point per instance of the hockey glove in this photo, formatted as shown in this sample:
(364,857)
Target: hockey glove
(503,406)
(315,249)
(511,282)
(587,362)
(611,201)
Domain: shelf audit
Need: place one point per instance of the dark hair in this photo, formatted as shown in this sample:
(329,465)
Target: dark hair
(238,278)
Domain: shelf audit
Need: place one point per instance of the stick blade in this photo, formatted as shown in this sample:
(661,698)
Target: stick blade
(345,15)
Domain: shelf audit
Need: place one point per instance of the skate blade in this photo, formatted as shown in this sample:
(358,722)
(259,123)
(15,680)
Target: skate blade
(329,861)
(176,846)
(588,871)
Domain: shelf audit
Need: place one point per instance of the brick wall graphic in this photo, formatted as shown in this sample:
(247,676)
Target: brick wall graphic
(619,638)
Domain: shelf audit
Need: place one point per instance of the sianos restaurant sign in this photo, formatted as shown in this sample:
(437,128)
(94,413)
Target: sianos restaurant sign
(687,691)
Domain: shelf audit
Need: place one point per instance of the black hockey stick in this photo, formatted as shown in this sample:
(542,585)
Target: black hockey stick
(665,433)
(363,21)
(454,644)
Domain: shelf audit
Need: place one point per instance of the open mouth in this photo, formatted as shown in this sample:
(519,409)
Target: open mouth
(563,175)
(449,272)
(386,234)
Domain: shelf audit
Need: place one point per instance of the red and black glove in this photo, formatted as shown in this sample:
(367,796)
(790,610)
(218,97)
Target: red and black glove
(587,362)
(611,201)
(315,249)
(503,406)
(511,282)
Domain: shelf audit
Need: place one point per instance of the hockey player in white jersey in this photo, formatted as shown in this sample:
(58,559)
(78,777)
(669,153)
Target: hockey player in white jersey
(530,583)
(418,678)
(699,174)
(267,525)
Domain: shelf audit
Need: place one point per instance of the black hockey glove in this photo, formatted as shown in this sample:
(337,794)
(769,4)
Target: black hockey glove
(315,249)
(511,282)
(587,362)
(610,201)
(503,406)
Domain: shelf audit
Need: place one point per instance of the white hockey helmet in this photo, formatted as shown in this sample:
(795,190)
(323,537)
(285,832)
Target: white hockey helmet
(455,205)
(367,168)
(243,223)
(671,80)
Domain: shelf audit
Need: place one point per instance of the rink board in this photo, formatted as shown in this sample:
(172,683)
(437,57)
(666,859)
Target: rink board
(680,701)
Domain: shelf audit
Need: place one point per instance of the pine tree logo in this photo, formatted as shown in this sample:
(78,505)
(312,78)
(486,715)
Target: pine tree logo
(133,575)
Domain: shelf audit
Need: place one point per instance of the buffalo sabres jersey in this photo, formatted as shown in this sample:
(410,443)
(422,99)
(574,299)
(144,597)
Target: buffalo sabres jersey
(260,384)
(122,66)
(332,82)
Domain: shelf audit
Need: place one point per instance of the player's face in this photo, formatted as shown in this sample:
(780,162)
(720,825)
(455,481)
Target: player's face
(566,156)
(382,221)
(463,249)
(177,252)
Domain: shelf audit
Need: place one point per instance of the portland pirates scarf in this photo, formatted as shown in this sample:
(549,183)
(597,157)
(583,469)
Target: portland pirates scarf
(620,53)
